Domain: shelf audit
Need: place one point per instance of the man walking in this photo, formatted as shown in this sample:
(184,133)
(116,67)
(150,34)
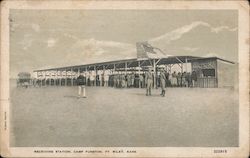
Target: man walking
(81,82)
(162,82)
(149,81)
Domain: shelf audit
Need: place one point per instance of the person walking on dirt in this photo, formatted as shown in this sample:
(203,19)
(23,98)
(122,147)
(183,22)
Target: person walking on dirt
(149,81)
(162,82)
(81,82)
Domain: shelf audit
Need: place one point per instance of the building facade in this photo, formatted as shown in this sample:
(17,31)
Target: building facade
(215,72)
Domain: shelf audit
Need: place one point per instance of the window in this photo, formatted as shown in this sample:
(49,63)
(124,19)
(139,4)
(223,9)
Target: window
(208,72)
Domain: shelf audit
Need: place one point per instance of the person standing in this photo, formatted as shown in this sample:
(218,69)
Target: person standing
(194,78)
(133,79)
(140,81)
(170,80)
(87,79)
(115,80)
(92,79)
(128,80)
(123,81)
(162,82)
(97,80)
(179,79)
(174,79)
(119,80)
(81,82)
(149,81)
(183,79)
(101,79)
(188,79)
(106,79)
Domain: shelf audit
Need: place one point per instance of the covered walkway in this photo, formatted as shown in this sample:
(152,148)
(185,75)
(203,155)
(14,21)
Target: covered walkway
(66,76)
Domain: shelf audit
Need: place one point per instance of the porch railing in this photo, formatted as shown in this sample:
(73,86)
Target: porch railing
(207,82)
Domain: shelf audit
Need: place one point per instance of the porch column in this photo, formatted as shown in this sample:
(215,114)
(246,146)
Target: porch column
(65,83)
(103,69)
(103,73)
(186,64)
(170,68)
(126,67)
(86,76)
(43,77)
(139,71)
(56,77)
(139,66)
(78,72)
(71,76)
(60,78)
(95,75)
(154,66)
(50,78)
(45,73)
(46,77)
(181,67)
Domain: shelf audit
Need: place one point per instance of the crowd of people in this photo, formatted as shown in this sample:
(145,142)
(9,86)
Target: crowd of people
(128,80)
(135,80)
(185,79)
(145,80)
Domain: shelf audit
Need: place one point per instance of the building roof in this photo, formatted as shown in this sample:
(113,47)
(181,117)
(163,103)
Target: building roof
(134,62)
(212,58)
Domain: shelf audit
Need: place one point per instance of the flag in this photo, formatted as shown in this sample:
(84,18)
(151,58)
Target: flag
(143,49)
(148,48)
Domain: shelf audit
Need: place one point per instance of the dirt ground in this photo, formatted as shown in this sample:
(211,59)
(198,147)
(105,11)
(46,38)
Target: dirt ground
(186,117)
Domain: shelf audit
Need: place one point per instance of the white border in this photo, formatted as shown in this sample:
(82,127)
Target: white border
(243,26)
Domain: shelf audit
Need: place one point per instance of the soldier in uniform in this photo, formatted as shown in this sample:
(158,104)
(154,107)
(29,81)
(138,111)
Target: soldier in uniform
(162,82)
(92,79)
(179,79)
(81,82)
(183,79)
(106,79)
(128,80)
(133,79)
(149,81)
(123,81)
(193,78)
(116,81)
(140,81)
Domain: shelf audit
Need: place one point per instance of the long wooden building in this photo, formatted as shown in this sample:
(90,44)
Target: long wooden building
(211,72)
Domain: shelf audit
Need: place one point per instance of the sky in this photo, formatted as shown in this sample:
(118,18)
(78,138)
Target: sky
(54,38)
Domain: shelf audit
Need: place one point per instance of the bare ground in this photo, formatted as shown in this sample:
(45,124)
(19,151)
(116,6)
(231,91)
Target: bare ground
(55,117)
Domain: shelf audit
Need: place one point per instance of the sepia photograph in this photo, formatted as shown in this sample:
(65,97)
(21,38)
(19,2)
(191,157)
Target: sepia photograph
(109,81)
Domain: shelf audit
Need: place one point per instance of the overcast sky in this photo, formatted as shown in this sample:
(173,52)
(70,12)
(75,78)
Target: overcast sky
(53,38)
